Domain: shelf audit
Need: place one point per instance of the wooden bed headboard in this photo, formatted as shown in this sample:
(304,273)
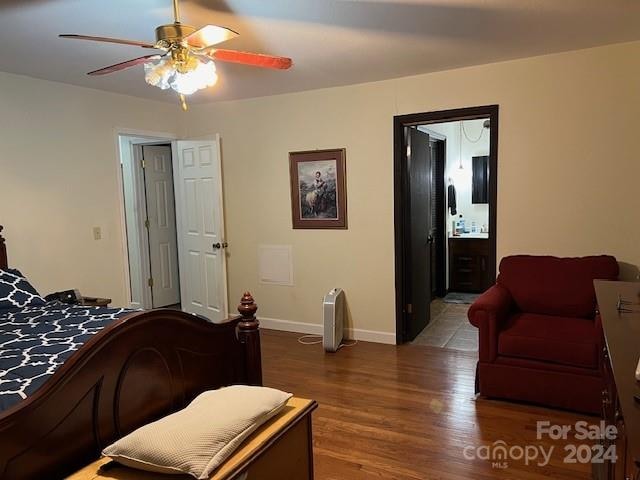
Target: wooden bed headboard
(4,263)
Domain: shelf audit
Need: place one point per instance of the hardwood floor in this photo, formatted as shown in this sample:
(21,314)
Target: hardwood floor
(407,412)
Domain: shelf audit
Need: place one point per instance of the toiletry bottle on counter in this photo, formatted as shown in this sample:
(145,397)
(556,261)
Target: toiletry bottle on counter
(460,225)
(474,228)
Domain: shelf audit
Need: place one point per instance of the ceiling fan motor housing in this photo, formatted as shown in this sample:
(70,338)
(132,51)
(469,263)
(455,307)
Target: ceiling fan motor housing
(173,32)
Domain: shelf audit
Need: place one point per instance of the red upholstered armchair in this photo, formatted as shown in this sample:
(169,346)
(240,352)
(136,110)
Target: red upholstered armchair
(540,337)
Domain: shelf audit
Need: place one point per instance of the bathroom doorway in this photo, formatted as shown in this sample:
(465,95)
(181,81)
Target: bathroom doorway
(445,167)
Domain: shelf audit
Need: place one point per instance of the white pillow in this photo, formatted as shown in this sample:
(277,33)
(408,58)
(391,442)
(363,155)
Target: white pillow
(197,439)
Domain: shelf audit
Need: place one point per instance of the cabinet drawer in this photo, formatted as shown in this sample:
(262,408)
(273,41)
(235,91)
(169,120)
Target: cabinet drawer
(461,261)
(468,266)
(469,246)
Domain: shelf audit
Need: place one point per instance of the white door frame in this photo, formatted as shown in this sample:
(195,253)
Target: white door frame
(126,141)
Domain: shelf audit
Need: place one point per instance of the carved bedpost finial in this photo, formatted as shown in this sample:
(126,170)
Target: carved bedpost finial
(249,335)
(3,251)
(248,308)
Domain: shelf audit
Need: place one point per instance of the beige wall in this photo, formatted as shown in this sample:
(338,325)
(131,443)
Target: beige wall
(58,179)
(568,172)
(568,175)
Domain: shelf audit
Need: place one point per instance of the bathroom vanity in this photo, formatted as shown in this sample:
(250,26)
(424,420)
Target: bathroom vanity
(469,263)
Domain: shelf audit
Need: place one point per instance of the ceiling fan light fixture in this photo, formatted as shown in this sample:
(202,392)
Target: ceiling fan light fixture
(159,72)
(202,76)
(166,73)
(185,61)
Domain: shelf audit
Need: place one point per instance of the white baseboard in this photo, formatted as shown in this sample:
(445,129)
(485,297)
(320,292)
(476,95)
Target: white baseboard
(371,336)
(316,329)
(289,326)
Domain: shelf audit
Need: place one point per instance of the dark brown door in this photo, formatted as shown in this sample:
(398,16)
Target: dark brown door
(419,233)
(438,230)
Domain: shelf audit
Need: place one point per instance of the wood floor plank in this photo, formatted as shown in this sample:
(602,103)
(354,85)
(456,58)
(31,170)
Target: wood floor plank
(407,413)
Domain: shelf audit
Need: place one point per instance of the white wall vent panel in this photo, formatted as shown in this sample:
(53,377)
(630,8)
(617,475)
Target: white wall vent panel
(275,264)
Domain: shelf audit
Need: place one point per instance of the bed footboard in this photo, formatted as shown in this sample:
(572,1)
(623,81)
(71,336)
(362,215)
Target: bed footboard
(141,367)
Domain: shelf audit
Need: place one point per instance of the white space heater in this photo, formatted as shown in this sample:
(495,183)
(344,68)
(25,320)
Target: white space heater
(333,319)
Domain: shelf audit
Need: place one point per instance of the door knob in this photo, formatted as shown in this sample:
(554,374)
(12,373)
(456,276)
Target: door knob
(216,246)
(429,239)
(225,244)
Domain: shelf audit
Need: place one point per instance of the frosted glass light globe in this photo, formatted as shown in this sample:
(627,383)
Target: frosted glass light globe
(163,73)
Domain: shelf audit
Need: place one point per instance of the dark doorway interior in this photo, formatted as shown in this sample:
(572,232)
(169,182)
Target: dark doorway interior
(421,214)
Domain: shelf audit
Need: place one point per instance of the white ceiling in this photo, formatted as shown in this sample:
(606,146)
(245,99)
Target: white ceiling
(332,42)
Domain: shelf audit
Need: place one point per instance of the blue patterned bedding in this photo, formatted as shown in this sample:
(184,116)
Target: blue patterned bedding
(36,340)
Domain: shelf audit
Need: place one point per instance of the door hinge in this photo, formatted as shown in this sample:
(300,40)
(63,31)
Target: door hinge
(146,224)
(150,282)
(409,308)
(143,163)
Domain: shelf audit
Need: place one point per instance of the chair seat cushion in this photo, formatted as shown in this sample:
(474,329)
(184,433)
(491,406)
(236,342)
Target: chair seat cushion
(563,340)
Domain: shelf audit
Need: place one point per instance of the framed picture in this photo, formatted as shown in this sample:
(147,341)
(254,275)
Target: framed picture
(318,189)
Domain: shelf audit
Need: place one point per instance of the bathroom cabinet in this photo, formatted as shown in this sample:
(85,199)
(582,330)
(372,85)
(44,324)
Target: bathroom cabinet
(468,264)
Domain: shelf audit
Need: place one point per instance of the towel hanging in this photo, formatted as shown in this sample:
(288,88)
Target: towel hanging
(451,199)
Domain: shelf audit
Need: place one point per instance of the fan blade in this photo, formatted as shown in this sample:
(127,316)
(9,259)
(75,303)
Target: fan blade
(253,59)
(121,66)
(210,35)
(108,40)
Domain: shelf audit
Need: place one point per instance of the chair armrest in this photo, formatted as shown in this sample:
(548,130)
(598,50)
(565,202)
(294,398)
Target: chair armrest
(488,313)
(494,303)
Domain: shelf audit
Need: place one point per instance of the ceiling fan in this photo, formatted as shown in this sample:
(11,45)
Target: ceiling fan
(186,63)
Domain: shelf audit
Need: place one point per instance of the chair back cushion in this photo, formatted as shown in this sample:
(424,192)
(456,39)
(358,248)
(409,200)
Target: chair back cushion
(556,286)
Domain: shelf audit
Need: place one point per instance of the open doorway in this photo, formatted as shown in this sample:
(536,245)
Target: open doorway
(150,219)
(445,218)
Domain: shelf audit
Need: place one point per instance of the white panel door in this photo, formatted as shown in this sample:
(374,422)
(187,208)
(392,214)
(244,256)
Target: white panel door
(201,229)
(163,250)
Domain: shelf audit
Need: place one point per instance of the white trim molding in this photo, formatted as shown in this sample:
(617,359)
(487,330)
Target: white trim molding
(317,329)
